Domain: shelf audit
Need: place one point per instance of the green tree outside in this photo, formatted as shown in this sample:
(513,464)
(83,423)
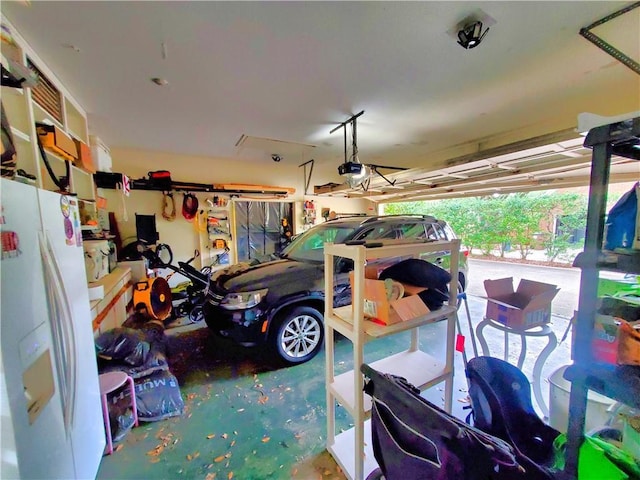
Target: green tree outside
(503,222)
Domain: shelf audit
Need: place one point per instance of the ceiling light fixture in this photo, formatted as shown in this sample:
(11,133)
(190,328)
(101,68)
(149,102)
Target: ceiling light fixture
(471,35)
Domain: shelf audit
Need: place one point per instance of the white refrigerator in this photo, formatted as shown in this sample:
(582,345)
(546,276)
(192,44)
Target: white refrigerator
(48,370)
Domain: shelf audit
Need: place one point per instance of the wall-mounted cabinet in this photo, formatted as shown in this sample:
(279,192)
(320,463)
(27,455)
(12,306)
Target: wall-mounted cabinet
(50,103)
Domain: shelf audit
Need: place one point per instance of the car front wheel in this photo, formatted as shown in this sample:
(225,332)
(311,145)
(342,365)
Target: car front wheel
(299,334)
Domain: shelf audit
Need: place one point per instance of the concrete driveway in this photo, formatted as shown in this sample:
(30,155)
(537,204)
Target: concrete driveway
(568,279)
(563,306)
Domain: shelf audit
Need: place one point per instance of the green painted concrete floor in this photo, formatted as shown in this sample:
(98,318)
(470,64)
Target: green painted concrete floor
(247,418)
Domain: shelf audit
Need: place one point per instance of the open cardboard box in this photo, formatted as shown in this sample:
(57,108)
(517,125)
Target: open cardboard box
(379,309)
(526,307)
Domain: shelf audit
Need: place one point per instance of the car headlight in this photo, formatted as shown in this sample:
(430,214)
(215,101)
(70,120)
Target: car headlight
(243,300)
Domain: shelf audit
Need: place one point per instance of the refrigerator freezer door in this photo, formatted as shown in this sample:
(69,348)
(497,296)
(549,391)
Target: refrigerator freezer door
(42,448)
(61,225)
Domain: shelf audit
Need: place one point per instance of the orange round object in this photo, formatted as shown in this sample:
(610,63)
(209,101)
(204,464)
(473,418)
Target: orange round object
(154,296)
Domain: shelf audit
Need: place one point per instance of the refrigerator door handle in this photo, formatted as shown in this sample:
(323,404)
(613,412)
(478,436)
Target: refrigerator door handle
(53,303)
(64,321)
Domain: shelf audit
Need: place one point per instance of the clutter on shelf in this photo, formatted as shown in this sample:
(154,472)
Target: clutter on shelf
(162,181)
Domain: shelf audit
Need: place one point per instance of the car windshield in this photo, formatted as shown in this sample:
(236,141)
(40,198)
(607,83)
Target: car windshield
(309,245)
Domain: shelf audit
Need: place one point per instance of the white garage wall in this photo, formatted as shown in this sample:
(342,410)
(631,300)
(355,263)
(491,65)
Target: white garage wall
(181,234)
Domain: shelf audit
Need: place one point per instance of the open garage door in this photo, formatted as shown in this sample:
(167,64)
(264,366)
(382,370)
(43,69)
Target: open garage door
(552,161)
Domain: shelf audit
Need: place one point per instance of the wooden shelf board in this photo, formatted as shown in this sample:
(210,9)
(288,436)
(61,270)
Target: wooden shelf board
(12,91)
(44,115)
(388,248)
(343,451)
(109,282)
(419,368)
(343,322)
(20,135)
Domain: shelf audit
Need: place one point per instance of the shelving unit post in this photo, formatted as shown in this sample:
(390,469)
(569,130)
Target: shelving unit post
(618,382)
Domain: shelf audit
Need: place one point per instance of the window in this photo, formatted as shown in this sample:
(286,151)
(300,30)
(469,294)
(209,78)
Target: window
(310,245)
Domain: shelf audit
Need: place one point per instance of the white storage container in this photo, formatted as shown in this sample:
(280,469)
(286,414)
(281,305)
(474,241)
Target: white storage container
(138,269)
(100,154)
(559,390)
(96,259)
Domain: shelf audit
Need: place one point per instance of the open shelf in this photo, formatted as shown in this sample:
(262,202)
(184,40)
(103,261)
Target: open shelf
(618,382)
(344,321)
(621,262)
(16,107)
(23,111)
(40,115)
(431,372)
(352,449)
(621,383)
(342,449)
(76,122)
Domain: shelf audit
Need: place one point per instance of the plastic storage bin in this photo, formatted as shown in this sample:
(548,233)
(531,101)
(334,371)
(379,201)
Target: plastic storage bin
(559,390)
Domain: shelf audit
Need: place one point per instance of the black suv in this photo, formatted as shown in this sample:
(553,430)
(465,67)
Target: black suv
(280,303)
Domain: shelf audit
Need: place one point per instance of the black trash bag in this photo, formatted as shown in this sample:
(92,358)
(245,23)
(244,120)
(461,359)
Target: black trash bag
(120,412)
(620,229)
(155,361)
(137,352)
(420,273)
(123,345)
(618,307)
(158,397)
(434,299)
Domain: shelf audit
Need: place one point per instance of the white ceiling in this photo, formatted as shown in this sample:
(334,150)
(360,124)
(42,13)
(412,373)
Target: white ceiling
(286,73)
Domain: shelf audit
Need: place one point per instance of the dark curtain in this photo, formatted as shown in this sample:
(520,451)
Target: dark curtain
(259,228)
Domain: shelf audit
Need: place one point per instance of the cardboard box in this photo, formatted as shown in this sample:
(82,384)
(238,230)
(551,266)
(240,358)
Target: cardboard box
(604,342)
(381,310)
(85,159)
(613,344)
(526,307)
(101,154)
(56,140)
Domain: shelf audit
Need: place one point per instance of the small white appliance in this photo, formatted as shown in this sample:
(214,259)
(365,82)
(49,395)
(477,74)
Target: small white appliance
(96,259)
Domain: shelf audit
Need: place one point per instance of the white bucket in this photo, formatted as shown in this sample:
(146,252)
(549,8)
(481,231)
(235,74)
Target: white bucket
(559,390)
